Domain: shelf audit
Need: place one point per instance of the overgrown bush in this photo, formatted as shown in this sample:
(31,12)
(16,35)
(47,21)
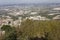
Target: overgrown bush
(10,32)
(32,29)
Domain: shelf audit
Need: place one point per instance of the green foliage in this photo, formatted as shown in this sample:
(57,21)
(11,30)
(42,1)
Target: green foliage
(6,28)
(11,36)
(10,32)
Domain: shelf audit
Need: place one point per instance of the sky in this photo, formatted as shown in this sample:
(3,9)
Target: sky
(28,1)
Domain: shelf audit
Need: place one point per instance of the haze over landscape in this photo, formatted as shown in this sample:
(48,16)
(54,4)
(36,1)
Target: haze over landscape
(2,2)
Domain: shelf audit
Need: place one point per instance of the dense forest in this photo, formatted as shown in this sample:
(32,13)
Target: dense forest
(33,30)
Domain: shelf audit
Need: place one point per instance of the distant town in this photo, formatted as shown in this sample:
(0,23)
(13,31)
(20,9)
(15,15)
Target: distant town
(16,14)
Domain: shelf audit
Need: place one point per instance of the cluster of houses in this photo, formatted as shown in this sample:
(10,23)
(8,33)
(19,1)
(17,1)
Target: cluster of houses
(56,17)
(56,11)
(37,18)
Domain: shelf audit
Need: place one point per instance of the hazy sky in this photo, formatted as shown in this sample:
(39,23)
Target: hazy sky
(27,1)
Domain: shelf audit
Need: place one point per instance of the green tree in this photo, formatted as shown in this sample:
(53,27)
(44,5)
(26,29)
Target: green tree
(10,32)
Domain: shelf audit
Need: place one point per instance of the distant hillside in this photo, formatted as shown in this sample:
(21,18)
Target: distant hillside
(34,4)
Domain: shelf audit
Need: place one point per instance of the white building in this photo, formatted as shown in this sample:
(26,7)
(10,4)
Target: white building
(56,17)
(58,8)
(6,21)
(16,23)
(37,18)
(33,13)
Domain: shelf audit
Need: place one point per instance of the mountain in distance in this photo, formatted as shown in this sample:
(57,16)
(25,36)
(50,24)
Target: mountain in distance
(35,4)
